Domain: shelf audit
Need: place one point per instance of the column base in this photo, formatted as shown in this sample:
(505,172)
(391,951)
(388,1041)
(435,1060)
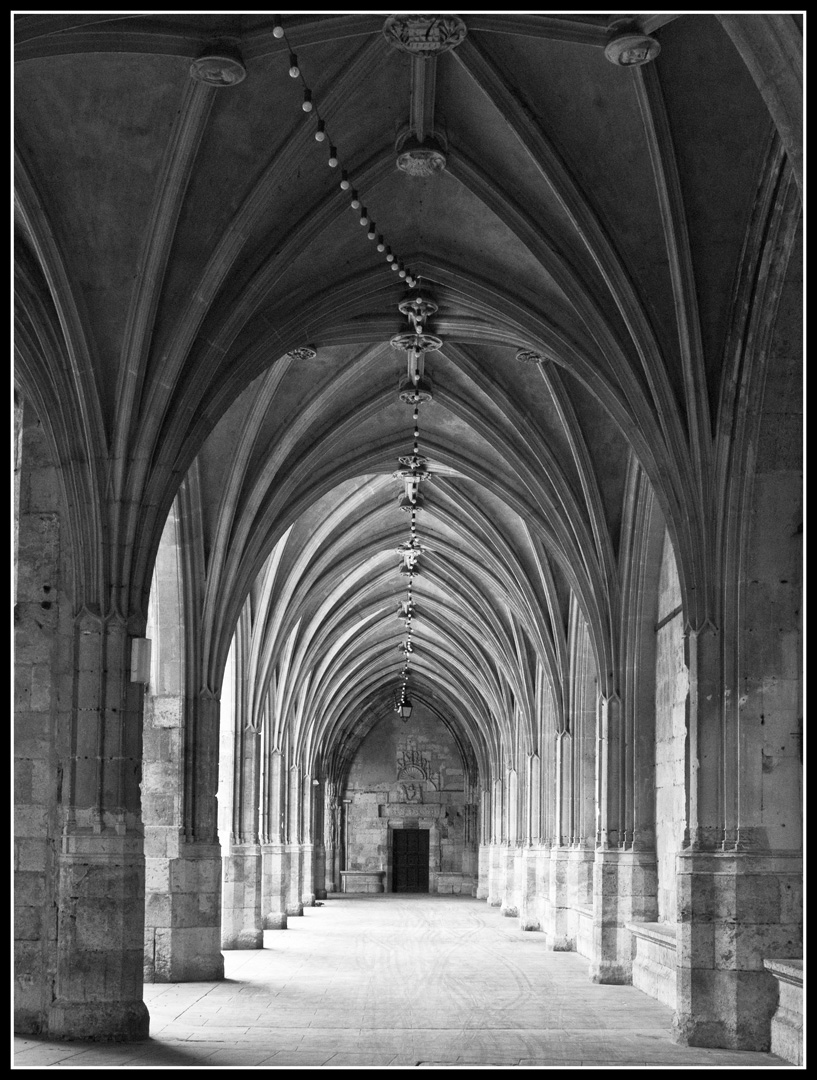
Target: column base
(103,1021)
(560,943)
(735,909)
(244,939)
(612,974)
(275,920)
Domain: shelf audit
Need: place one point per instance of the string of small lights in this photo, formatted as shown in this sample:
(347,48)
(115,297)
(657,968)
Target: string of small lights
(334,162)
(411,551)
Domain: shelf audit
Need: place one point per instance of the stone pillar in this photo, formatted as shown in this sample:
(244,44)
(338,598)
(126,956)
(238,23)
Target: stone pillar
(512,870)
(557,927)
(241,922)
(529,908)
(241,915)
(193,938)
(625,880)
(274,877)
(294,903)
(735,907)
(308,824)
(330,838)
(494,897)
(42,632)
(484,850)
(510,851)
(101,883)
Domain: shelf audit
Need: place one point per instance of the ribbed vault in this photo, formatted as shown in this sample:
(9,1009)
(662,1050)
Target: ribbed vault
(246,248)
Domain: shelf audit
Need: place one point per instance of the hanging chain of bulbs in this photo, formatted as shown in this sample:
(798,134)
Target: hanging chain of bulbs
(333,161)
(414,390)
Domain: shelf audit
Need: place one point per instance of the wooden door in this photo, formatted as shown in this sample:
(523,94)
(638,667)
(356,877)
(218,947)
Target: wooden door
(410,860)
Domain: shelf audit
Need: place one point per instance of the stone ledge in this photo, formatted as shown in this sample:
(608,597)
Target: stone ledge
(790,971)
(787,1022)
(362,881)
(663,934)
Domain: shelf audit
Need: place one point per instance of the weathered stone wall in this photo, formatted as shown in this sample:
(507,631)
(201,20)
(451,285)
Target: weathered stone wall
(671,688)
(42,617)
(409,773)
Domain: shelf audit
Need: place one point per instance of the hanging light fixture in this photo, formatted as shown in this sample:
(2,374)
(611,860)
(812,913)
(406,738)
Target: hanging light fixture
(413,390)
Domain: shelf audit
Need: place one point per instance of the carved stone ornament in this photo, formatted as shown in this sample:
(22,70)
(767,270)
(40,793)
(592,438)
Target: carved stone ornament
(421,161)
(424,35)
(415,463)
(631,49)
(304,352)
(529,356)
(415,393)
(222,66)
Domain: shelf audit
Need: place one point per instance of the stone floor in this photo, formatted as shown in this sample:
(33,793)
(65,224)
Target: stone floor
(397,981)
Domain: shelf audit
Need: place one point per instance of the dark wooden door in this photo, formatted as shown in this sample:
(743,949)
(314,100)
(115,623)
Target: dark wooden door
(410,860)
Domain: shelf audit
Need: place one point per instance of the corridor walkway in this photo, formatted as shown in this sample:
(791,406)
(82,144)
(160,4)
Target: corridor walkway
(397,981)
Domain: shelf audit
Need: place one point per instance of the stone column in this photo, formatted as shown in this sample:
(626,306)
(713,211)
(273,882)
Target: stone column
(625,880)
(101,885)
(43,634)
(529,906)
(308,881)
(331,825)
(184,865)
(274,877)
(241,926)
(195,875)
(294,904)
(495,866)
(509,864)
(484,848)
(557,924)
(735,907)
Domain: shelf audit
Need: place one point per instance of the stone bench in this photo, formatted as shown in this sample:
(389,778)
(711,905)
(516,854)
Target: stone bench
(362,881)
(654,965)
(787,1022)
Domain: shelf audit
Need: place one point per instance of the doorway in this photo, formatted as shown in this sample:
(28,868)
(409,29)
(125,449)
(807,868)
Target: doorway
(410,860)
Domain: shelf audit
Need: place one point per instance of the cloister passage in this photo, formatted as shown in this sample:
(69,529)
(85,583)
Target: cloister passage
(408,504)
(396,981)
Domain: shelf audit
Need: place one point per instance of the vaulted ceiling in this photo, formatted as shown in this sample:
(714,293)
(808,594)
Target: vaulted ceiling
(177,241)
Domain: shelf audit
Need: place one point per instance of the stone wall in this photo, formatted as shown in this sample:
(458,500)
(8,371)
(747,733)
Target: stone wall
(409,775)
(671,688)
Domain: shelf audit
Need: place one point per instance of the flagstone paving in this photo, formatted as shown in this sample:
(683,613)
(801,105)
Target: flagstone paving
(374,981)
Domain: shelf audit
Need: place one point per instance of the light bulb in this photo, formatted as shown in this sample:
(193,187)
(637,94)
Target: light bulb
(380,245)
(333,158)
(402,273)
(394,266)
(344,181)
(320,134)
(277,29)
(389,256)
(371,233)
(364,217)
(294,70)
(355,204)
(307,105)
